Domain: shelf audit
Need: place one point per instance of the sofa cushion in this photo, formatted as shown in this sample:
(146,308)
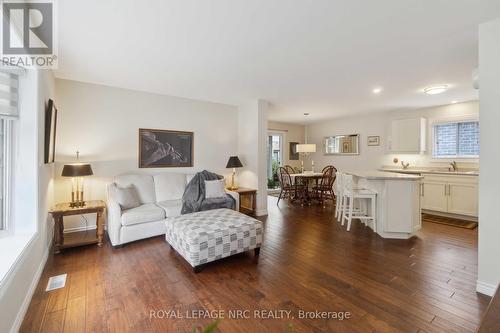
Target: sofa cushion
(143,184)
(127,197)
(172,207)
(169,186)
(143,214)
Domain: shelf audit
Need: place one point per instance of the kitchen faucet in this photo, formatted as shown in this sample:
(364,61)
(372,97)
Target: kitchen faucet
(453,166)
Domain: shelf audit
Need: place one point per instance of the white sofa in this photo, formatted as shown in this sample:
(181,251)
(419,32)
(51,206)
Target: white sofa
(161,199)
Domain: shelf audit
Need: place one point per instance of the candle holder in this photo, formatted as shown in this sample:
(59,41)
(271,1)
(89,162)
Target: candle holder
(77,171)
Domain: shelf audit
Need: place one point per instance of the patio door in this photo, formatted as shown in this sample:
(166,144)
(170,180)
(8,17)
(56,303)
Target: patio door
(274,157)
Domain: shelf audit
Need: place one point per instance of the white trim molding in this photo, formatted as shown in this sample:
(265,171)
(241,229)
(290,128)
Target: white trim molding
(485,288)
(261,212)
(31,291)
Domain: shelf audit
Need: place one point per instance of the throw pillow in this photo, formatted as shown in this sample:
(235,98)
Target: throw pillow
(127,197)
(214,189)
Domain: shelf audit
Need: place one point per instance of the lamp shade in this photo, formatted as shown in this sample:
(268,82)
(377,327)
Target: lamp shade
(306,148)
(77,170)
(234,162)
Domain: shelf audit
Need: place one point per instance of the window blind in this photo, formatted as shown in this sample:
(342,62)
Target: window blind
(8,94)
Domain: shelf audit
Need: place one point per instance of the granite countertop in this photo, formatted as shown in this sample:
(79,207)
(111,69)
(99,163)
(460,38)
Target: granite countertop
(437,171)
(383,175)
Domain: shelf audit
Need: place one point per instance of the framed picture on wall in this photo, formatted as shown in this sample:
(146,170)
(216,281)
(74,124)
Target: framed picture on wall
(373,141)
(50,132)
(165,148)
(293,155)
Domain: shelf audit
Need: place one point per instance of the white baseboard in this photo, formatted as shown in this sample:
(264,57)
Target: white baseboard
(455,216)
(485,288)
(27,300)
(261,212)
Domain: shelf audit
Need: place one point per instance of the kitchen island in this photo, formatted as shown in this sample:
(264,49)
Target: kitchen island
(398,201)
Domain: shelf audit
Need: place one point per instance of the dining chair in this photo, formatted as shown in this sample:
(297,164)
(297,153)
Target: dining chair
(288,188)
(326,167)
(323,190)
(290,169)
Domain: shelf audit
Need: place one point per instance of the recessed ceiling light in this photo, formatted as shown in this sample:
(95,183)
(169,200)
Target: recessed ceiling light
(434,90)
(377,90)
(306,113)
(453,102)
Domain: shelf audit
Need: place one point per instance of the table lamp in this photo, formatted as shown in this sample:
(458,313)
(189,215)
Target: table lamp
(77,171)
(305,149)
(234,162)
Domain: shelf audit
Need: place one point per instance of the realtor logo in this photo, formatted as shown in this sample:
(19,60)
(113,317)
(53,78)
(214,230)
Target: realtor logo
(28,34)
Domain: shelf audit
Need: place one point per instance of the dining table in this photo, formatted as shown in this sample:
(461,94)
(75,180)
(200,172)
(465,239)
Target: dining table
(307,177)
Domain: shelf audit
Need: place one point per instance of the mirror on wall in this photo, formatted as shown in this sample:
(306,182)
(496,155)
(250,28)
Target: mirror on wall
(342,144)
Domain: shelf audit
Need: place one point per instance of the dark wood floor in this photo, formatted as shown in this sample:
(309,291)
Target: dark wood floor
(308,262)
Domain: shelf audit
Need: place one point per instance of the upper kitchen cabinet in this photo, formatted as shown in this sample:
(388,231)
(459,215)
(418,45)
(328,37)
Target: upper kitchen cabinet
(408,135)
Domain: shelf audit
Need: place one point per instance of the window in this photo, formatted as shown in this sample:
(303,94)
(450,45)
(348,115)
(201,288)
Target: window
(8,114)
(2,173)
(456,140)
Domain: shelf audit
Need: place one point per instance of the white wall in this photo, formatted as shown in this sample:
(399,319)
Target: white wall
(374,157)
(33,197)
(252,147)
(102,123)
(489,180)
(291,133)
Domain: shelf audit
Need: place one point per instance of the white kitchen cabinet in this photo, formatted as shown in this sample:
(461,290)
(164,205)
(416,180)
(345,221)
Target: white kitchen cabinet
(408,135)
(454,194)
(434,196)
(463,198)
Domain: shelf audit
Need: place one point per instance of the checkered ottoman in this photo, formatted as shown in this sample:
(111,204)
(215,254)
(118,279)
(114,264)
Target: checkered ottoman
(210,235)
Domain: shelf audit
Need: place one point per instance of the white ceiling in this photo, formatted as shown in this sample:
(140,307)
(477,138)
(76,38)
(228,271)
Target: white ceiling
(318,56)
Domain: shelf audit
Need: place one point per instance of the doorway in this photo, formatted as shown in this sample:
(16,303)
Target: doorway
(274,158)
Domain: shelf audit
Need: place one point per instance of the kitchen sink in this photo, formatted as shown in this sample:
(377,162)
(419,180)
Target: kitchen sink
(458,172)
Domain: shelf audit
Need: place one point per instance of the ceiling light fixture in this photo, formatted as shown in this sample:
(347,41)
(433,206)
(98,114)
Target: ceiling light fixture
(453,102)
(377,90)
(434,90)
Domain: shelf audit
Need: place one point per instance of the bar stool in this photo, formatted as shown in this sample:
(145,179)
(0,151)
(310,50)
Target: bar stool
(339,196)
(339,193)
(350,194)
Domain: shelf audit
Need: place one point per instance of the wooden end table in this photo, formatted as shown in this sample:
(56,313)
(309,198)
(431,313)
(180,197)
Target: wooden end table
(77,238)
(248,200)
